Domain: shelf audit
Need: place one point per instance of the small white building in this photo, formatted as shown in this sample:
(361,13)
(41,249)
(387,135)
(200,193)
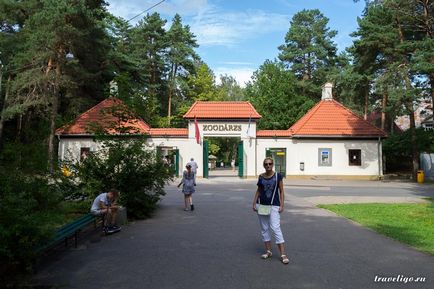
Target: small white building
(329,141)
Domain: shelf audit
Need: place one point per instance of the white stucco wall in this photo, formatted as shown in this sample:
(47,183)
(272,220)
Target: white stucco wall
(306,151)
(69,148)
(188,148)
(297,150)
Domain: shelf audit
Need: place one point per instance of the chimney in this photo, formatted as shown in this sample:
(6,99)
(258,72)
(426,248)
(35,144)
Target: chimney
(327,91)
(114,88)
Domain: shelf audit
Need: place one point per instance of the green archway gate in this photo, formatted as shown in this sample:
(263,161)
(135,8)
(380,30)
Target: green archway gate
(240,156)
(205,158)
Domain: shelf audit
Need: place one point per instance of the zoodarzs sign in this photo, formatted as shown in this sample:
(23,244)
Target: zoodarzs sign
(221,127)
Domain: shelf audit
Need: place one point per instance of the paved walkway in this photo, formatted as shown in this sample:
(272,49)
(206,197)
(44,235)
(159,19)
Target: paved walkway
(218,246)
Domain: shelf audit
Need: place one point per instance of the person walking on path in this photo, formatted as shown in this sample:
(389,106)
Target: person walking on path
(233,165)
(188,183)
(194,167)
(271,196)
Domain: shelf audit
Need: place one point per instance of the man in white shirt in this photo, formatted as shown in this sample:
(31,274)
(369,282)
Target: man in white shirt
(194,167)
(105,205)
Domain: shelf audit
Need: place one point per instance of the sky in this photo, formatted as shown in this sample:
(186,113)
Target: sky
(236,36)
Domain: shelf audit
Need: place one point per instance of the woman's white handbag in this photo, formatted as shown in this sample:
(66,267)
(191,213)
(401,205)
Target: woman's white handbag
(265,210)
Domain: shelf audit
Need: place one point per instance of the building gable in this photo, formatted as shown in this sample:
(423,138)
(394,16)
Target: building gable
(329,118)
(222,110)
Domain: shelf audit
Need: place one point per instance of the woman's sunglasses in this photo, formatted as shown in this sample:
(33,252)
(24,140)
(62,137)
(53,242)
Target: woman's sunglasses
(268,164)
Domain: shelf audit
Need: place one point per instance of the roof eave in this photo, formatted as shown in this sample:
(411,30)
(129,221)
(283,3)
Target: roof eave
(274,136)
(341,136)
(222,118)
(93,135)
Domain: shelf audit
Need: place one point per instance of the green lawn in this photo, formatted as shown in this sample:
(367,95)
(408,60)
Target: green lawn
(412,224)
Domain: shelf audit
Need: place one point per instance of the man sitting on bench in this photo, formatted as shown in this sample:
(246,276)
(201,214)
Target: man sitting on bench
(105,205)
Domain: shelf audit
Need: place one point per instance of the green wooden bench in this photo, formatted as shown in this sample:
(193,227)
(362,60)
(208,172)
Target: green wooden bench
(70,230)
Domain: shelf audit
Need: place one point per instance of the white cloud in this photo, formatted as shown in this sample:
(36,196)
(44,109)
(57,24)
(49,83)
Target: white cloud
(236,63)
(186,7)
(127,9)
(212,25)
(241,74)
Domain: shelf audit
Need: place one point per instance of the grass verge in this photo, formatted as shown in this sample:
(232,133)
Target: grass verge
(69,211)
(412,224)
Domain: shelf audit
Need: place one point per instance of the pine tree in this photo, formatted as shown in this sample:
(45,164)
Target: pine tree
(309,50)
(180,59)
(374,51)
(149,44)
(201,84)
(388,42)
(274,95)
(60,53)
(422,30)
(13,15)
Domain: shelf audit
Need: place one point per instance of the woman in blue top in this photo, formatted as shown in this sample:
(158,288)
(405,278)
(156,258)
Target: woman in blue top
(270,183)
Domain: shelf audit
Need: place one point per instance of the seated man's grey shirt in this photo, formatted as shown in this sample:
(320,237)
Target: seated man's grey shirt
(101,198)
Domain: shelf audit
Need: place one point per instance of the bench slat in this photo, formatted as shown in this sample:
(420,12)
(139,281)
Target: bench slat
(77,223)
(69,230)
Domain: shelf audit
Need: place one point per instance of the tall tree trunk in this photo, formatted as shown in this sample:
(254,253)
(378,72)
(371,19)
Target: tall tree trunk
(383,110)
(2,115)
(392,126)
(410,108)
(309,68)
(53,114)
(366,102)
(20,125)
(432,94)
(414,152)
(153,90)
(171,89)
(169,100)
(427,18)
(429,34)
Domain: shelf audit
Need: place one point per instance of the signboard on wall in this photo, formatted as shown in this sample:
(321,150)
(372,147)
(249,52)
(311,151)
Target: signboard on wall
(222,129)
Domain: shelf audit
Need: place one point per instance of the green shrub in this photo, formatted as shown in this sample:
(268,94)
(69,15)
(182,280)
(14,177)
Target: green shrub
(28,209)
(397,149)
(129,165)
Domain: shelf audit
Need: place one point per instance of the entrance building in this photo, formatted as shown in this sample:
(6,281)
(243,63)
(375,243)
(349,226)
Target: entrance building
(330,140)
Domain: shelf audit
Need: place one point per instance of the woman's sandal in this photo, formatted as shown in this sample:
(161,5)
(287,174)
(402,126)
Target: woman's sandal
(284,259)
(267,255)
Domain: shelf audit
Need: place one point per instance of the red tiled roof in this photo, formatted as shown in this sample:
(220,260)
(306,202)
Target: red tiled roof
(110,115)
(222,109)
(168,132)
(332,119)
(273,133)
